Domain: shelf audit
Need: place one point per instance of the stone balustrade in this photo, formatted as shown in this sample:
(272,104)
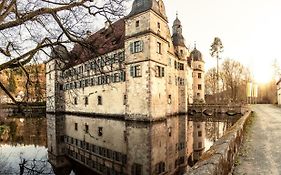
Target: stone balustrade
(219,159)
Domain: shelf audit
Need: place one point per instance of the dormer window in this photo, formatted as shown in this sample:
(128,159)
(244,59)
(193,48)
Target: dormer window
(158,25)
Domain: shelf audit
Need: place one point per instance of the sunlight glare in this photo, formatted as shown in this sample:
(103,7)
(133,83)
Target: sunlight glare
(262,74)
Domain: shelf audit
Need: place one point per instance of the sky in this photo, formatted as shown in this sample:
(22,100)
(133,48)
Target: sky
(250,30)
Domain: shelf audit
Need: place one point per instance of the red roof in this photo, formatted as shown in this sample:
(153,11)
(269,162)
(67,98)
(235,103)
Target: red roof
(100,43)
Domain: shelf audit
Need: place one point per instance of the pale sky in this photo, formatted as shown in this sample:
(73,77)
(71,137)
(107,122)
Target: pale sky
(250,30)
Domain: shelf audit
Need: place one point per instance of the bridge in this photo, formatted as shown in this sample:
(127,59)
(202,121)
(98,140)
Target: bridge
(212,109)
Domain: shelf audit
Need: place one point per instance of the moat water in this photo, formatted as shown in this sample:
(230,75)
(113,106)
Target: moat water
(23,142)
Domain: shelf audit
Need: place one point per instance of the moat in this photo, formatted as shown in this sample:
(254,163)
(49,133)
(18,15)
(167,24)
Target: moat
(179,141)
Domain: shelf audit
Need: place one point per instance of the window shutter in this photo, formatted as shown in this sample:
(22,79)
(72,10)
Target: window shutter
(141,45)
(132,47)
(132,71)
(163,71)
(122,77)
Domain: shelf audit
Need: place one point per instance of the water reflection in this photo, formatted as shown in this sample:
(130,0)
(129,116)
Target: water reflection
(23,146)
(88,145)
(115,146)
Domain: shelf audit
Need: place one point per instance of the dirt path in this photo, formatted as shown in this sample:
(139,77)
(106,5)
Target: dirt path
(261,152)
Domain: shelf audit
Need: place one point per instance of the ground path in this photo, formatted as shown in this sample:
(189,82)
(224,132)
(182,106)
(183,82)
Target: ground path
(261,151)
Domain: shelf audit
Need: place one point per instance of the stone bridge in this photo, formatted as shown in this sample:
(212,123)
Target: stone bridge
(212,109)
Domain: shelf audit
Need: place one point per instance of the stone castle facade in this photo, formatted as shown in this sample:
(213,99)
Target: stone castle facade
(101,100)
(145,73)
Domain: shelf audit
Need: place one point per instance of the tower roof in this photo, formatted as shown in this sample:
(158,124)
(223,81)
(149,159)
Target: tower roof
(140,6)
(196,55)
(178,39)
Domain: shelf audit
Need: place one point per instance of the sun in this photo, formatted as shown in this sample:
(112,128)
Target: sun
(263,74)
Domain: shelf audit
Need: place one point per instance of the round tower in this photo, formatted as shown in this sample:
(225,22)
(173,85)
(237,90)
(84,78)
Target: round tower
(198,66)
(178,40)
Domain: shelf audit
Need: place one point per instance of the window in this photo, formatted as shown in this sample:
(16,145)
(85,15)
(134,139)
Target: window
(75,101)
(160,71)
(125,100)
(170,80)
(86,128)
(137,23)
(198,94)
(170,131)
(200,75)
(170,62)
(199,133)
(50,76)
(170,99)
(160,167)
(181,51)
(136,47)
(199,87)
(199,66)
(135,71)
(122,76)
(76,126)
(136,169)
(100,131)
(181,66)
(199,144)
(86,83)
(158,25)
(158,48)
(99,100)
(86,101)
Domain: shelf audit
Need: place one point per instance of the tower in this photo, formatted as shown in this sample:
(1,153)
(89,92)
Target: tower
(146,45)
(198,65)
(182,53)
(55,105)
(178,40)
(199,131)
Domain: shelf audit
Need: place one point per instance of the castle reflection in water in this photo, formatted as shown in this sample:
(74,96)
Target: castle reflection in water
(116,146)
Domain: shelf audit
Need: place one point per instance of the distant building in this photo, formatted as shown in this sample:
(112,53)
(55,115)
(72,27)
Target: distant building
(279,92)
(112,107)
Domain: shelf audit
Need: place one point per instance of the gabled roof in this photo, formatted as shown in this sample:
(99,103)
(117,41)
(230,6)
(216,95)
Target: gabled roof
(99,43)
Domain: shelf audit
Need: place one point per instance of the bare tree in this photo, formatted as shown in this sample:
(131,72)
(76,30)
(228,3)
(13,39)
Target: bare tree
(30,28)
(235,77)
(211,81)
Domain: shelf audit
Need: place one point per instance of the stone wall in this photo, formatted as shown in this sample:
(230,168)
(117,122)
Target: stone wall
(219,159)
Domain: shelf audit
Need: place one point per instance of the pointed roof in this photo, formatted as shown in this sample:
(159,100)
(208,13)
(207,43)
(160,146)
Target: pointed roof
(196,55)
(178,39)
(140,6)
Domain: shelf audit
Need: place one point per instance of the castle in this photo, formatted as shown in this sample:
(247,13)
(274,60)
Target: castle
(137,72)
(140,71)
